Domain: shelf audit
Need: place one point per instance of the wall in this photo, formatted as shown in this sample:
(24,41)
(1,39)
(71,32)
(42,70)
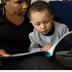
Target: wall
(0,1)
(48,0)
(44,0)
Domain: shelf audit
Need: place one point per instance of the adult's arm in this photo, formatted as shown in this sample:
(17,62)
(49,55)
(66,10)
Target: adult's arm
(32,62)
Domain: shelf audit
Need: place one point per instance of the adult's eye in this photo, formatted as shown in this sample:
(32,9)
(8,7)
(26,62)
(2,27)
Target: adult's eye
(18,2)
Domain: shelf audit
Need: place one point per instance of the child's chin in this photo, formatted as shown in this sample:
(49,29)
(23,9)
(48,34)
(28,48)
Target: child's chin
(44,33)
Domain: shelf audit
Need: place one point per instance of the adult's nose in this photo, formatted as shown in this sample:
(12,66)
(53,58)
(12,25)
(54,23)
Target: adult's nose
(25,5)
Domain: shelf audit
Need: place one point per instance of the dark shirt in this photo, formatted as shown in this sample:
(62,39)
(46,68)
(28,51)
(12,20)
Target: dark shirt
(14,39)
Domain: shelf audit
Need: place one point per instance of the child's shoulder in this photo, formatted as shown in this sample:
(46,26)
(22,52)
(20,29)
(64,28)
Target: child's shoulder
(59,25)
(34,33)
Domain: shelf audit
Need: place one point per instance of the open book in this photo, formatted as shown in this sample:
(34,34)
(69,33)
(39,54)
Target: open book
(63,44)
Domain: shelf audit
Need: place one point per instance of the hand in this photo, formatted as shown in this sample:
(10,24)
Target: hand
(4,53)
(46,47)
(70,52)
(3,57)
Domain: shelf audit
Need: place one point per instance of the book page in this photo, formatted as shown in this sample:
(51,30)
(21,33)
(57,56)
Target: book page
(51,50)
(24,54)
(61,42)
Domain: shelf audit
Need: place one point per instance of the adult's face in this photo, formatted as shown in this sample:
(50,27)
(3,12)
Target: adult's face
(18,6)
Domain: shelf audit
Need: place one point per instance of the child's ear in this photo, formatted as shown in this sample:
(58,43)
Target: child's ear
(30,22)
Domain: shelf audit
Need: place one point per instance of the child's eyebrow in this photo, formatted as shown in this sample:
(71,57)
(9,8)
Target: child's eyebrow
(37,22)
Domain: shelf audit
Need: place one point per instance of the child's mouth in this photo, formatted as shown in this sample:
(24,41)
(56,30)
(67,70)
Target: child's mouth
(45,31)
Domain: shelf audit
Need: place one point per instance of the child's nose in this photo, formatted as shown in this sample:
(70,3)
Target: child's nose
(43,26)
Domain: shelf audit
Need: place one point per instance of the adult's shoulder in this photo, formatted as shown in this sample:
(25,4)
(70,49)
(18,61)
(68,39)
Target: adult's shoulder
(1,7)
(1,10)
(1,16)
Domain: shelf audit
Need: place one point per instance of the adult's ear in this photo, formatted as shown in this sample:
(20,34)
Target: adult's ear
(7,1)
(2,1)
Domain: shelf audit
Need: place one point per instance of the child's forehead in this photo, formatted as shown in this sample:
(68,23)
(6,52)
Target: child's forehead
(45,12)
(40,16)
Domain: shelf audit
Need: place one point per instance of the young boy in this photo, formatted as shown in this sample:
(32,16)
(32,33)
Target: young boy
(46,31)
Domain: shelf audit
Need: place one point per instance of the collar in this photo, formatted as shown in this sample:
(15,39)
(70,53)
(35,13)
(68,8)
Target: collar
(52,31)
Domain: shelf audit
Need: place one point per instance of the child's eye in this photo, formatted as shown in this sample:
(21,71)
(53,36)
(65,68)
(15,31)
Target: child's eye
(46,21)
(38,24)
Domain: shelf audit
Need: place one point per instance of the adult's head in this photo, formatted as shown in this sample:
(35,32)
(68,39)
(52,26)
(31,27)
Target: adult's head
(17,6)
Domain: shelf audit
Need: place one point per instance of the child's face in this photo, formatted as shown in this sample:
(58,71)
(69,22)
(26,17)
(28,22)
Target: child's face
(42,21)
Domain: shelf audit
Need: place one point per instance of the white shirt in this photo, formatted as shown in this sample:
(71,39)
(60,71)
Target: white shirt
(39,40)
